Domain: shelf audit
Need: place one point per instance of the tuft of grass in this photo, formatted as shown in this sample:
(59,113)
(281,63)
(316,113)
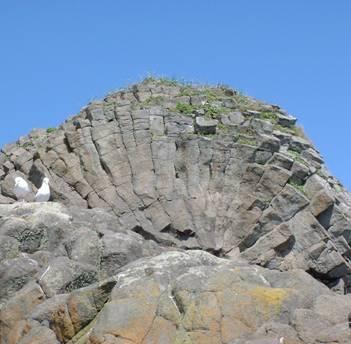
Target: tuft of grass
(211,112)
(214,111)
(50,130)
(185,108)
(212,95)
(270,116)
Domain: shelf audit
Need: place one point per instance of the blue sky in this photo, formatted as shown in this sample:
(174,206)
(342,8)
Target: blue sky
(57,55)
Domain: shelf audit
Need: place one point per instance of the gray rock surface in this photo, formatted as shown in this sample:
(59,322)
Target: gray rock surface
(172,171)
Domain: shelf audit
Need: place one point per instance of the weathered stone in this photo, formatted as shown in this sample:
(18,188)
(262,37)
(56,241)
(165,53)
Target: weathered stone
(64,275)
(268,246)
(312,157)
(262,126)
(262,156)
(321,202)
(286,121)
(272,182)
(205,126)
(19,307)
(288,202)
(283,137)
(299,144)
(233,118)
(9,247)
(215,303)
(269,143)
(252,113)
(281,160)
(155,188)
(157,125)
(15,273)
(300,172)
(314,185)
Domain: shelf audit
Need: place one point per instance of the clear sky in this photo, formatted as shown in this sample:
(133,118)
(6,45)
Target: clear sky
(55,56)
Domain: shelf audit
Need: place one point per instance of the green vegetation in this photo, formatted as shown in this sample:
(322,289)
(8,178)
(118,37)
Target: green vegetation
(293,153)
(270,116)
(50,130)
(297,156)
(153,100)
(210,111)
(284,129)
(185,108)
(297,186)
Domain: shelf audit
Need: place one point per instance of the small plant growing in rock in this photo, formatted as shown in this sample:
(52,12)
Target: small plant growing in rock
(270,116)
(211,111)
(297,156)
(50,130)
(185,108)
(222,127)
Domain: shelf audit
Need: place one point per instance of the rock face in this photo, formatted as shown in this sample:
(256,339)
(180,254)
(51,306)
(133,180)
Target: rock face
(180,214)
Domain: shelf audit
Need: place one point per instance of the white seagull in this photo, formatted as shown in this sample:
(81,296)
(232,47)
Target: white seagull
(43,194)
(21,189)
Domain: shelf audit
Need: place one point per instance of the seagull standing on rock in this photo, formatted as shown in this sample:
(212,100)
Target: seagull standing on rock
(43,194)
(21,189)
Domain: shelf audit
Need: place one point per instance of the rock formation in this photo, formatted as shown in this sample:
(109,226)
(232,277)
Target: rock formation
(180,214)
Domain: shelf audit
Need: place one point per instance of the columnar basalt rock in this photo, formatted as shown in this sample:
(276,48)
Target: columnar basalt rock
(165,169)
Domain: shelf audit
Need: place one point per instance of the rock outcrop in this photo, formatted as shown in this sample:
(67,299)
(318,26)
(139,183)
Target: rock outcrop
(179,214)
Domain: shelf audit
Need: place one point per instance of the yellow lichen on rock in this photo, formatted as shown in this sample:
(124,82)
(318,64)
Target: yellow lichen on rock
(268,300)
